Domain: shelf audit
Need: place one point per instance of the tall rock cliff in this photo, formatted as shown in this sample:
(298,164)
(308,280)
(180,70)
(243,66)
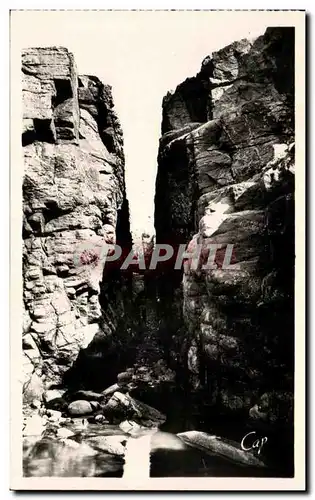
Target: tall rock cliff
(74,202)
(226,176)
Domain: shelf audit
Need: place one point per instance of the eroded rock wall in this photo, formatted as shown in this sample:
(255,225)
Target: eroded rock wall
(226,176)
(74,202)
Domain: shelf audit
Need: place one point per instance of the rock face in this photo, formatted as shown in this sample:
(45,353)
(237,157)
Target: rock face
(74,203)
(226,176)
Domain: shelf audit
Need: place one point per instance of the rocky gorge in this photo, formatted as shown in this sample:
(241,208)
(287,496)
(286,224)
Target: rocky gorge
(226,176)
(178,356)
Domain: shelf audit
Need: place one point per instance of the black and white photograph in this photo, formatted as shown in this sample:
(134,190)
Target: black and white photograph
(158,170)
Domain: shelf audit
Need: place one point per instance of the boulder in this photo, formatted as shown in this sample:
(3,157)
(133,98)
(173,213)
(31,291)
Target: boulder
(109,444)
(124,377)
(64,433)
(219,446)
(79,408)
(53,394)
(124,407)
(110,390)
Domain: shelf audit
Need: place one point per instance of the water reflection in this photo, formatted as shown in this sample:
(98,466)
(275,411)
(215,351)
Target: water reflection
(100,451)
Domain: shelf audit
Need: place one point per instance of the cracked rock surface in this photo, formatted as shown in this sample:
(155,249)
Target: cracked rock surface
(73,191)
(226,176)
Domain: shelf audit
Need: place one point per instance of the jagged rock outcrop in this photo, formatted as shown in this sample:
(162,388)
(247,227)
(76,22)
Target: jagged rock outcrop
(74,203)
(226,176)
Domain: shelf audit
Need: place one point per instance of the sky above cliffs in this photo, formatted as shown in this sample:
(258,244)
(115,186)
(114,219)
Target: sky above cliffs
(142,55)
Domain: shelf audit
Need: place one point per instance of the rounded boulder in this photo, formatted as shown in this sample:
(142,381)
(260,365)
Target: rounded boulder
(80,407)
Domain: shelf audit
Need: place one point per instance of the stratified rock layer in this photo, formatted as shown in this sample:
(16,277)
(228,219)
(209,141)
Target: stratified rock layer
(74,203)
(226,176)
